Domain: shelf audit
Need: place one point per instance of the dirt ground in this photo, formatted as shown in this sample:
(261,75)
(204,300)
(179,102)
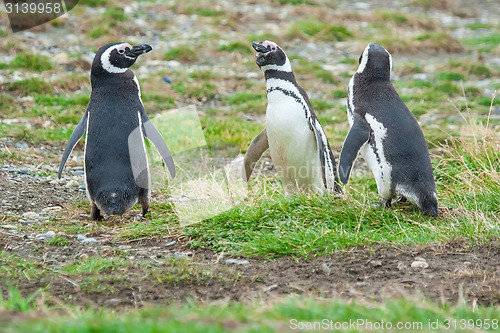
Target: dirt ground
(455,272)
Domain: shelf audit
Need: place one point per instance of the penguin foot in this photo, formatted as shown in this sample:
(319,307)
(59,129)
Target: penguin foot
(386,203)
(95,213)
(401,199)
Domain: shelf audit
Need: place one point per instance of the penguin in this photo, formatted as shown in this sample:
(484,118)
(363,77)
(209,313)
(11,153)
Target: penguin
(387,134)
(115,122)
(299,148)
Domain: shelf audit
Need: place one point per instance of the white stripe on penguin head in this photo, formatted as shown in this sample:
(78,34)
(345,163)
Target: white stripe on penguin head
(364,59)
(105,59)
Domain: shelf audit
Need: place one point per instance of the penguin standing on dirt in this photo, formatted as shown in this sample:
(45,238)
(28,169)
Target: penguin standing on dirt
(299,148)
(116,166)
(387,134)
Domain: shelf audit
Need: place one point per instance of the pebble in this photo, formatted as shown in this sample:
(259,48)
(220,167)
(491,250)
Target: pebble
(73,183)
(30,215)
(166,79)
(325,268)
(8,226)
(47,235)
(170,243)
(376,263)
(237,262)
(85,240)
(79,173)
(124,247)
(51,209)
(401,266)
(271,287)
(419,264)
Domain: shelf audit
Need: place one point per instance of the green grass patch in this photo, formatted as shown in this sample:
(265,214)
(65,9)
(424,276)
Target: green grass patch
(484,43)
(451,76)
(30,86)
(290,314)
(239,47)
(31,62)
(94,3)
(58,241)
(182,53)
(318,30)
(247,102)
(303,66)
(7,105)
(95,265)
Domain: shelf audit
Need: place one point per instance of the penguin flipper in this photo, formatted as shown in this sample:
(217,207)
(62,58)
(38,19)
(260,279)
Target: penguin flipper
(358,135)
(73,140)
(257,147)
(152,133)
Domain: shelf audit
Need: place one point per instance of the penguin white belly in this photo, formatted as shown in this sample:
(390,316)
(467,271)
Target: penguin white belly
(292,144)
(373,153)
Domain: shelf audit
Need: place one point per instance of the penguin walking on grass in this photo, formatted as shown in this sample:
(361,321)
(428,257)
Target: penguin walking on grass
(116,166)
(299,148)
(387,134)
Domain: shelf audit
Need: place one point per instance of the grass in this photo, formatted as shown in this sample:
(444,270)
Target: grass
(313,28)
(214,74)
(31,62)
(290,314)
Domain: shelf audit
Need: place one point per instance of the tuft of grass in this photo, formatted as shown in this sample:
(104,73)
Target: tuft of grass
(318,30)
(7,104)
(58,241)
(16,302)
(31,62)
(248,102)
(94,3)
(95,265)
(182,53)
(483,43)
(98,32)
(278,316)
(305,67)
(439,42)
(451,76)
(30,86)
(239,47)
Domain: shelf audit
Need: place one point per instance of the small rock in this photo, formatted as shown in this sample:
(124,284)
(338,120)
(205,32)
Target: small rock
(61,58)
(376,263)
(79,173)
(419,264)
(124,247)
(47,235)
(325,268)
(271,287)
(170,243)
(166,79)
(88,240)
(30,215)
(362,283)
(73,183)
(420,259)
(51,209)
(401,266)
(9,226)
(80,237)
(237,262)
(114,302)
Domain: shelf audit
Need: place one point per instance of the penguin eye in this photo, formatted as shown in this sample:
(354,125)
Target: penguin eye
(121,51)
(273,48)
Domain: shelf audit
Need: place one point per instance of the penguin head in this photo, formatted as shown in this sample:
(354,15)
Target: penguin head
(375,62)
(116,58)
(271,56)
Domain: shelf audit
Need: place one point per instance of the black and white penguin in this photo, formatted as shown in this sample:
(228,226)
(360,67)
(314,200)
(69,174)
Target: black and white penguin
(299,148)
(387,134)
(116,166)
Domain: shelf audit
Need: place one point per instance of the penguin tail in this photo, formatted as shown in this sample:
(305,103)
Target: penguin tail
(114,202)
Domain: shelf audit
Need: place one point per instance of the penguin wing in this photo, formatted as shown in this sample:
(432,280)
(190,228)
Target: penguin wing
(152,133)
(358,135)
(325,154)
(257,147)
(73,140)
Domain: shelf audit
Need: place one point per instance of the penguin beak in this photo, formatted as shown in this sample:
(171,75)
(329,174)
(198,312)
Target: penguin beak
(137,50)
(260,48)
